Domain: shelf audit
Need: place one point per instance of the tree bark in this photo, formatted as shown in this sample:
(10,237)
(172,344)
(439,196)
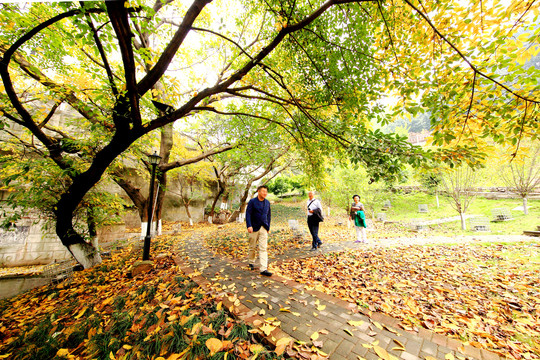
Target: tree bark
(186,206)
(166,145)
(525,210)
(463,223)
(85,253)
(216,199)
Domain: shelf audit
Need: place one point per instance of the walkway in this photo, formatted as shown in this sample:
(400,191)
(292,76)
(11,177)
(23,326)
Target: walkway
(301,312)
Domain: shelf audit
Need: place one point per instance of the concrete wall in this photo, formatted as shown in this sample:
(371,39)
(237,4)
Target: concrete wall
(30,244)
(14,285)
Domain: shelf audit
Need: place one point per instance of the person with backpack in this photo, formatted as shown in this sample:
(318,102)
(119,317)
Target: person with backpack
(314,217)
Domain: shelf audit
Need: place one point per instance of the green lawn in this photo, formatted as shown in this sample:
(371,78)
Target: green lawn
(405,208)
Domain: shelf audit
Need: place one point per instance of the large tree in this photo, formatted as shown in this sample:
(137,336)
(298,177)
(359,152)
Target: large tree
(322,66)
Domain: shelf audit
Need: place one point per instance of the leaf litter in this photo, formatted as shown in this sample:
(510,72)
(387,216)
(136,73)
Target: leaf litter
(104,313)
(477,294)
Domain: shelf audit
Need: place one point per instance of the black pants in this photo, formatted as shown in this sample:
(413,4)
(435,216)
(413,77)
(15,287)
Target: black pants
(313,225)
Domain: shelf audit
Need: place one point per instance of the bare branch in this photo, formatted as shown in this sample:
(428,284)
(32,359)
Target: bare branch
(168,54)
(102,53)
(49,115)
(204,155)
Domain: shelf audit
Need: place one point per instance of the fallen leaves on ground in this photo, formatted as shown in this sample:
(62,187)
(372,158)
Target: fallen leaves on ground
(485,295)
(104,313)
(21,270)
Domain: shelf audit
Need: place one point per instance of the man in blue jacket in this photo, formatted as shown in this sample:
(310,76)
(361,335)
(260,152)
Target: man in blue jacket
(258,216)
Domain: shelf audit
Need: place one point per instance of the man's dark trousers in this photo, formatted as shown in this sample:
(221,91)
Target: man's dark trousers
(313,225)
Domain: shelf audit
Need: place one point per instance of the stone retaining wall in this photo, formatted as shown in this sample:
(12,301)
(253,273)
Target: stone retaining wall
(31,243)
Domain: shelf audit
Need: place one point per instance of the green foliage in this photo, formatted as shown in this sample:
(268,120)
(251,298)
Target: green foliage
(283,184)
(385,155)
(309,82)
(431,181)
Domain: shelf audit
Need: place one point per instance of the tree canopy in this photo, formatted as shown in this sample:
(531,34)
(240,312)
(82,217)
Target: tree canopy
(314,73)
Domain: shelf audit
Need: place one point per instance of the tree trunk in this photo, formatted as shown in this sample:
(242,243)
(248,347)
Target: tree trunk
(243,204)
(165,148)
(463,223)
(525,210)
(437,198)
(186,206)
(85,253)
(216,199)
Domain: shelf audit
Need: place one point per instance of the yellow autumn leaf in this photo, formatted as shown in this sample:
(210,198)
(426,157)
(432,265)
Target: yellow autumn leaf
(355,323)
(256,348)
(267,329)
(348,331)
(60,352)
(314,336)
(214,345)
(449,356)
(127,347)
(281,345)
(321,307)
(383,354)
(81,313)
(284,340)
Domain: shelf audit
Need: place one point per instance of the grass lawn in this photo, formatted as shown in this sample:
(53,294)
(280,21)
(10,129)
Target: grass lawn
(405,209)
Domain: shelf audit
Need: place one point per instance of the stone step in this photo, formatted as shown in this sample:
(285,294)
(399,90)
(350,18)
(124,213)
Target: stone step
(532,233)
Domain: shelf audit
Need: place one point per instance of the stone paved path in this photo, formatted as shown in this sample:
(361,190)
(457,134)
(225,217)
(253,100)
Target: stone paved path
(309,311)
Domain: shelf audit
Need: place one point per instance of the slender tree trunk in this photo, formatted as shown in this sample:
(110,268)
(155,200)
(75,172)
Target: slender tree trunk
(525,210)
(243,203)
(216,199)
(186,206)
(463,223)
(166,145)
(437,197)
(92,228)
